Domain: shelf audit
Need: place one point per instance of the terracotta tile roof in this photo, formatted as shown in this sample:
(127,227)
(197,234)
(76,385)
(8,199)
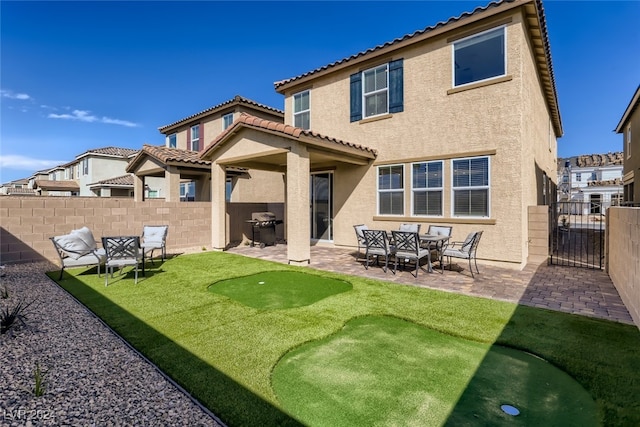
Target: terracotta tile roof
(111,151)
(235,100)
(605,183)
(168,155)
(534,16)
(593,160)
(287,130)
(118,180)
(57,185)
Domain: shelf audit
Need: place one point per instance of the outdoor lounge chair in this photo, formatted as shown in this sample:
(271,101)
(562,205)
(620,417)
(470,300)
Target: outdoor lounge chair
(154,237)
(464,250)
(414,228)
(362,244)
(407,248)
(78,249)
(122,251)
(377,244)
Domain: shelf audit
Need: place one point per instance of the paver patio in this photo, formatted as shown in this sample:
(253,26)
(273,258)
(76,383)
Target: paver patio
(574,290)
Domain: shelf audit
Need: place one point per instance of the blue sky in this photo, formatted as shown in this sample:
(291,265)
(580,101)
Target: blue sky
(81,75)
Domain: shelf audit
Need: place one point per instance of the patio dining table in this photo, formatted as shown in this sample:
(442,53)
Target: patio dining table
(437,242)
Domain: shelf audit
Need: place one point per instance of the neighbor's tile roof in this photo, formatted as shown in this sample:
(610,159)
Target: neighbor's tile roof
(118,180)
(21,191)
(235,100)
(111,151)
(57,185)
(168,155)
(248,120)
(536,24)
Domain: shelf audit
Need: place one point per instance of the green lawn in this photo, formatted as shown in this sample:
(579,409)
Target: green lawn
(239,347)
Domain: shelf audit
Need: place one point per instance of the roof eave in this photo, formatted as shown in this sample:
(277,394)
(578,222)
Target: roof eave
(635,100)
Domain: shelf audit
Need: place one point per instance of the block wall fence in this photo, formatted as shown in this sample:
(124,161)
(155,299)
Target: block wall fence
(623,256)
(26,223)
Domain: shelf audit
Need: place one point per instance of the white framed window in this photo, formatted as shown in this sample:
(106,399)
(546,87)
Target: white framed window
(629,141)
(195,138)
(470,187)
(301,110)
(172,141)
(578,176)
(391,190)
(187,191)
(480,57)
(227,120)
(85,166)
(228,189)
(426,188)
(375,91)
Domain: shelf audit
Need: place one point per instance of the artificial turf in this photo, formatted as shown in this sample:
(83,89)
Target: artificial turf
(224,351)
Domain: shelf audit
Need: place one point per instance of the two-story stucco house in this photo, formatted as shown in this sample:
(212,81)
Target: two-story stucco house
(452,124)
(175,171)
(630,125)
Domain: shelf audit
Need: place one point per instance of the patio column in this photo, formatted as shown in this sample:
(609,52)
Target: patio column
(138,188)
(172,180)
(297,209)
(218,207)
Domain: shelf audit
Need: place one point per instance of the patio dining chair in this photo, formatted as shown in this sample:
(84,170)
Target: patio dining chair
(407,248)
(122,251)
(362,243)
(465,250)
(377,244)
(154,237)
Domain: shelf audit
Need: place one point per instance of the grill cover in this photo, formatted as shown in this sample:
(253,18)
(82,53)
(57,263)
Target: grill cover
(263,216)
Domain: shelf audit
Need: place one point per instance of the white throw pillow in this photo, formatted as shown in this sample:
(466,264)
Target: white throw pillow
(73,245)
(86,236)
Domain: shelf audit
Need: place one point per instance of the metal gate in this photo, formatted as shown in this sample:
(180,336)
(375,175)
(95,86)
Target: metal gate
(577,234)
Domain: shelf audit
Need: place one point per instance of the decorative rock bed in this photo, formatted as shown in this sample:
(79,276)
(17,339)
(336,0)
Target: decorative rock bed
(92,377)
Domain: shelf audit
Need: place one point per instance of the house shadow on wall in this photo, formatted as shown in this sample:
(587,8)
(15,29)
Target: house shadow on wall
(14,250)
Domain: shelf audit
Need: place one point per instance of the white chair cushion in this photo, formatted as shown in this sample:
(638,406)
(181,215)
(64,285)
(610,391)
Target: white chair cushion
(73,245)
(153,234)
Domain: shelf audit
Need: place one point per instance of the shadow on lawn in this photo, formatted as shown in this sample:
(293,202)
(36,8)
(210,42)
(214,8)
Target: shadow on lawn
(227,399)
(601,355)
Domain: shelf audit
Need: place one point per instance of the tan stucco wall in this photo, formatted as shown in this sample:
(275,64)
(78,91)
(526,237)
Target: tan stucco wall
(258,186)
(507,120)
(623,258)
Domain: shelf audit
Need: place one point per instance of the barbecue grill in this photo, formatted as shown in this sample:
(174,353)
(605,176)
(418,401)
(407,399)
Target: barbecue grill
(263,226)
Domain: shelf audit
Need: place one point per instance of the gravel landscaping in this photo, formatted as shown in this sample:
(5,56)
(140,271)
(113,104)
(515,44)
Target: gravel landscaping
(92,377)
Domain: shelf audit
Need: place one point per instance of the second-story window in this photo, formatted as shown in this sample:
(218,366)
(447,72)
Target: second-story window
(173,142)
(578,176)
(301,110)
(480,57)
(377,91)
(195,138)
(227,120)
(85,166)
(629,141)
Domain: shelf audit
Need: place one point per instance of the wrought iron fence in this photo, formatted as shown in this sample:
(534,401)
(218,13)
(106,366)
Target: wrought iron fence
(577,234)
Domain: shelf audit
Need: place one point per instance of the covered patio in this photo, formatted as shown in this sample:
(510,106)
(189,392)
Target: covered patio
(258,144)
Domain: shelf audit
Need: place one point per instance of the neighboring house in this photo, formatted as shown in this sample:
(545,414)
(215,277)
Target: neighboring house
(595,179)
(52,182)
(629,127)
(19,187)
(93,167)
(176,172)
(453,124)
(96,172)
